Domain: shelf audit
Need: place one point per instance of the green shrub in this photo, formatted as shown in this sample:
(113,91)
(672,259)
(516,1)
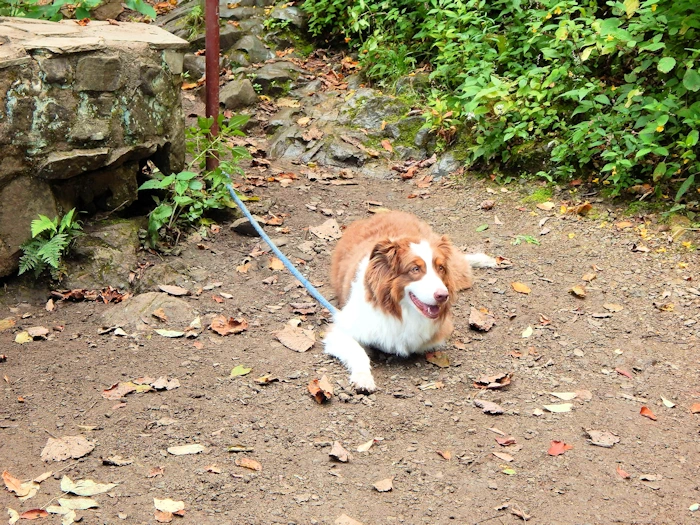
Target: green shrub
(51,240)
(53,9)
(610,89)
(189,196)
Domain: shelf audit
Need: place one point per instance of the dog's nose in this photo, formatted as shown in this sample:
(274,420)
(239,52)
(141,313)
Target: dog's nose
(441,296)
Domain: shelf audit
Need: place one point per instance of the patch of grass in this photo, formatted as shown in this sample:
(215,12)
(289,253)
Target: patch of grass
(539,195)
(519,239)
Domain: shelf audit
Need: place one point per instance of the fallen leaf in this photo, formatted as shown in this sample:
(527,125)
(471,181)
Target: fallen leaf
(559,408)
(275,264)
(7,323)
(588,277)
(602,438)
(365,446)
(558,447)
(50,306)
(480,321)
(14,516)
(578,291)
(508,471)
(183,450)
(623,224)
(344,519)
(503,456)
(23,337)
(266,379)
(493,382)
(339,453)
(489,407)
(622,473)
(78,503)
(623,372)
(226,326)
(85,487)
(172,334)
(646,412)
(520,514)
(445,454)
(505,441)
(520,287)
(387,145)
(155,472)
(240,448)
(296,338)
(119,390)
(303,308)
(695,408)
(66,447)
(384,485)
(613,307)
(248,463)
(33,514)
(546,206)
(239,370)
(321,389)
(667,402)
(160,314)
(163,517)
(527,332)
(581,209)
(439,359)
(168,505)
(43,477)
(116,461)
(328,231)
(564,396)
(174,290)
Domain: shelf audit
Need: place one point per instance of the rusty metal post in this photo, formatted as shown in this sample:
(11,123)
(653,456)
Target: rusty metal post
(212,46)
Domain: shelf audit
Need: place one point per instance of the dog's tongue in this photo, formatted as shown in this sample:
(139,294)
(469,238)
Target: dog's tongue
(432,309)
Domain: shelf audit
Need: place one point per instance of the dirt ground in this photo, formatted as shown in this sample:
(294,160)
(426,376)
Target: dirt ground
(428,436)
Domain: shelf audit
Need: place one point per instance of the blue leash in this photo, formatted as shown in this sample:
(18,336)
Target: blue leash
(282,257)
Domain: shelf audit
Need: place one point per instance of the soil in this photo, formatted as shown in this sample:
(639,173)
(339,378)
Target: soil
(429,437)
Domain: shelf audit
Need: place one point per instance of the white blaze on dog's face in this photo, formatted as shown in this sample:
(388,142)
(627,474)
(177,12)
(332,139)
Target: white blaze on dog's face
(428,292)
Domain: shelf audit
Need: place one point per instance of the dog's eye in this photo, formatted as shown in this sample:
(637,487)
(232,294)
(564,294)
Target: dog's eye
(441,269)
(415,269)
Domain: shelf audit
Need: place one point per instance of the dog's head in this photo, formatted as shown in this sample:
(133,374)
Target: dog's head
(412,273)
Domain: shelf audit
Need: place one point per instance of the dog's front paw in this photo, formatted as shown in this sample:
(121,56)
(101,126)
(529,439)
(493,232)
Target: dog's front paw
(363,382)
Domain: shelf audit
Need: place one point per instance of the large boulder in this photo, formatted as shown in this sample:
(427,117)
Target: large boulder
(83,107)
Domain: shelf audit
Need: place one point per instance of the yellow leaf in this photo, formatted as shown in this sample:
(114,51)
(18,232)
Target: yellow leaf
(23,337)
(578,291)
(521,288)
(571,235)
(275,264)
(631,7)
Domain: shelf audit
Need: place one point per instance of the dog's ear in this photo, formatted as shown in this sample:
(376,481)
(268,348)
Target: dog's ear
(379,278)
(385,253)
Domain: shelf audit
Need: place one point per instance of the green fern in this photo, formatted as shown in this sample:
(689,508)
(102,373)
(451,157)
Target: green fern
(51,240)
(44,224)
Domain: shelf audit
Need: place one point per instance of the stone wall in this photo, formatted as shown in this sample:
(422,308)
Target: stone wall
(81,107)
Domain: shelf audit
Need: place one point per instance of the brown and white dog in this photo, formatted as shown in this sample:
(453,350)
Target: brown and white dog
(395,280)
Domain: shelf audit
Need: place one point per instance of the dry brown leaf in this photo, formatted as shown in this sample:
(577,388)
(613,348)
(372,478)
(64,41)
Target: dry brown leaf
(558,447)
(440,359)
(50,306)
(243,268)
(578,291)
(248,463)
(521,288)
(6,324)
(328,231)
(623,224)
(321,389)
(493,382)
(384,485)
(225,326)
(581,209)
(66,447)
(155,472)
(33,514)
(163,517)
(589,277)
(445,454)
(695,408)
(622,473)
(482,321)
(119,390)
(546,206)
(646,412)
(339,453)
(387,145)
(160,314)
(296,338)
(503,456)
(613,307)
(489,407)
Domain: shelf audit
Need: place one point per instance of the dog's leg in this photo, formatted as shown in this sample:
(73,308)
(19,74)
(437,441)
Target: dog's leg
(480,260)
(342,346)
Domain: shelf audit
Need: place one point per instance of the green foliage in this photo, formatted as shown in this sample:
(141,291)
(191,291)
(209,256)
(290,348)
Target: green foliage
(194,22)
(611,89)
(525,238)
(53,9)
(51,240)
(189,196)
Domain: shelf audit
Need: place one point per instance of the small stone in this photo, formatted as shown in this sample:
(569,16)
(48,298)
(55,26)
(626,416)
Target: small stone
(238,94)
(243,226)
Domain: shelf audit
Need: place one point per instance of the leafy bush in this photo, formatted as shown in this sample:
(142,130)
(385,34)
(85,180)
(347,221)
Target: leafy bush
(53,10)
(608,89)
(51,240)
(189,196)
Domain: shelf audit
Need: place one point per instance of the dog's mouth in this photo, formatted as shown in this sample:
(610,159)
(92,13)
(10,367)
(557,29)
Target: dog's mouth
(431,311)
